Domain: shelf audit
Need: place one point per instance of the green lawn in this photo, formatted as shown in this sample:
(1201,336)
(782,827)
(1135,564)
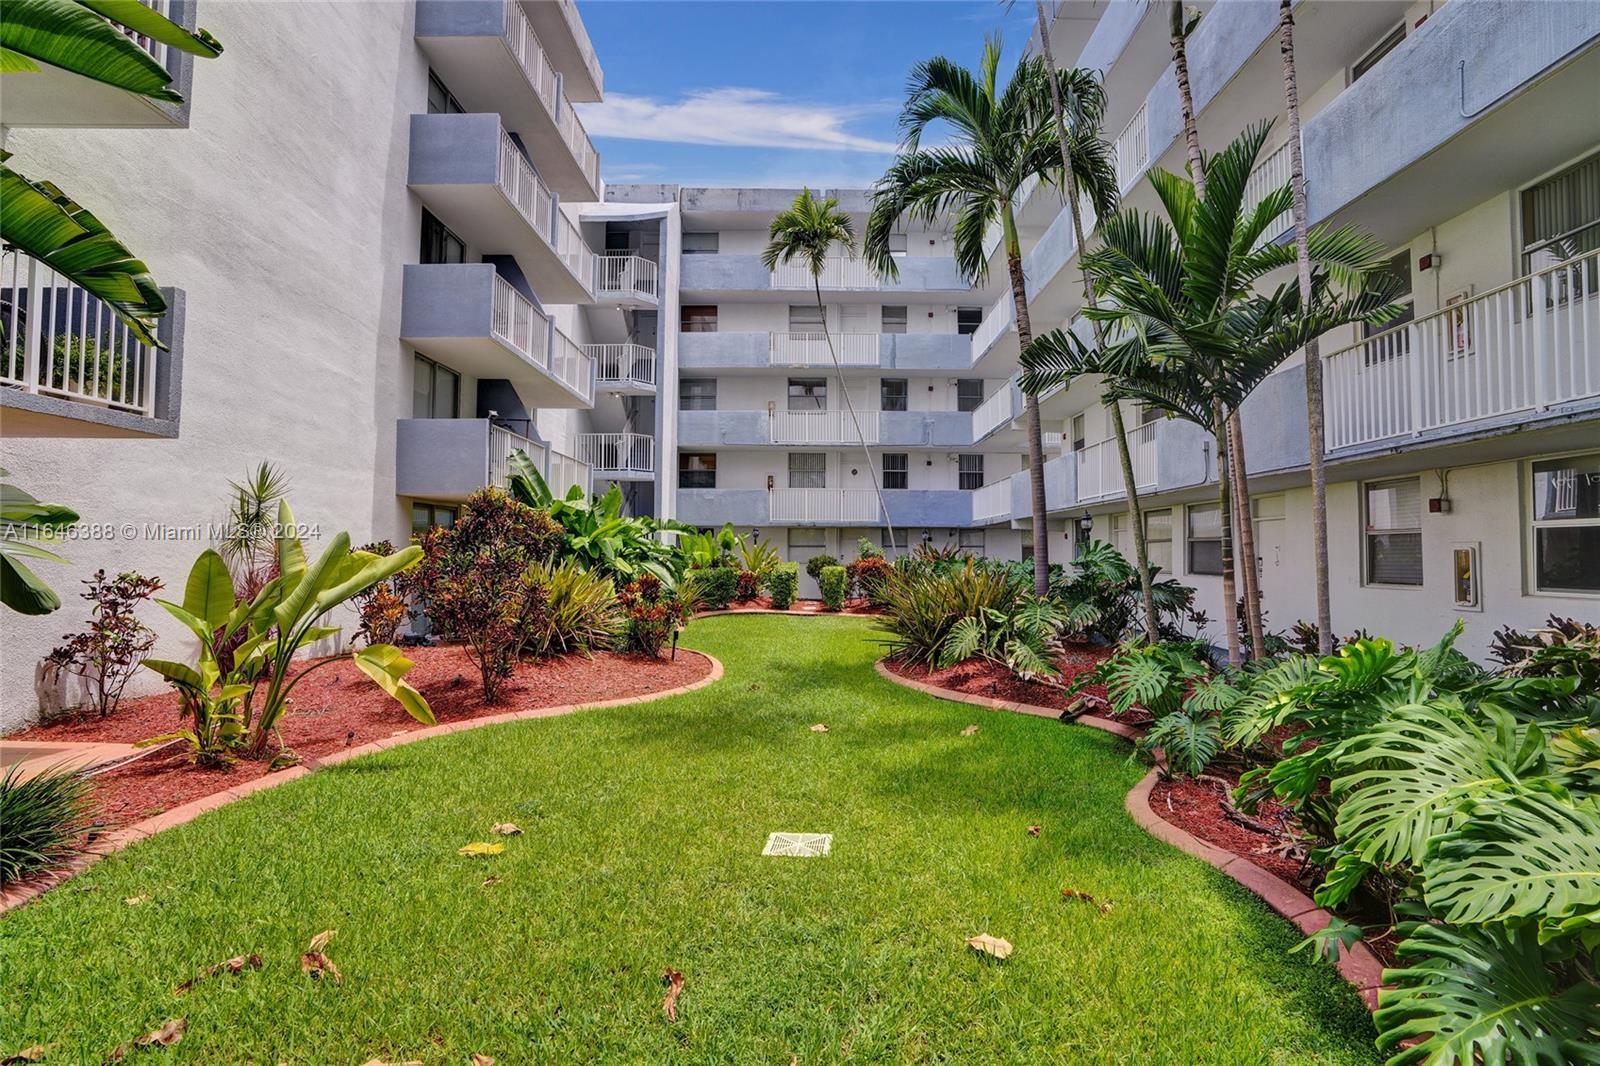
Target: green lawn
(643,831)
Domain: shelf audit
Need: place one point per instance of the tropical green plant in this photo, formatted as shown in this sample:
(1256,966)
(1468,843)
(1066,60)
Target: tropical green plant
(24,522)
(655,612)
(757,558)
(922,605)
(1188,740)
(249,543)
(865,549)
(998,140)
(715,587)
(782,583)
(1021,638)
(834,582)
(383,607)
(1155,677)
(41,818)
(1101,596)
(581,612)
(867,577)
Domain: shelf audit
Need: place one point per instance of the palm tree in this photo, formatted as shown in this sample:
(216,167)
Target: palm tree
(1313,360)
(1119,429)
(1195,338)
(809,231)
(1000,140)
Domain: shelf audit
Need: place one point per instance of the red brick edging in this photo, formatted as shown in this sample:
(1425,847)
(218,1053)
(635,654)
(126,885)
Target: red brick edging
(1357,964)
(16,895)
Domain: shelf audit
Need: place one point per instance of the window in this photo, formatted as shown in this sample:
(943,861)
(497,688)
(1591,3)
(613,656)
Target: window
(1560,220)
(814,541)
(968,319)
(1399,342)
(1390,42)
(435,390)
(902,540)
(699,243)
(619,241)
(697,318)
(1121,537)
(1205,538)
(969,472)
(969,394)
(805,318)
(697,470)
(1079,441)
(1394,532)
(892,394)
(424,516)
(1566,524)
(897,244)
(896,470)
(970,541)
(894,319)
(697,394)
(808,394)
(441,101)
(808,470)
(1158,539)
(439,245)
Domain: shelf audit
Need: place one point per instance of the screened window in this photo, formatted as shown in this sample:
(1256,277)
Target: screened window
(697,470)
(969,394)
(902,539)
(971,541)
(805,318)
(1079,441)
(897,244)
(1560,220)
(1205,538)
(808,394)
(812,540)
(697,394)
(439,245)
(969,471)
(896,470)
(436,390)
(699,243)
(893,393)
(1389,43)
(1394,531)
(968,319)
(1121,534)
(894,319)
(1158,539)
(808,470)
(1566,524)
(424,516)
(697,318)
(441,101)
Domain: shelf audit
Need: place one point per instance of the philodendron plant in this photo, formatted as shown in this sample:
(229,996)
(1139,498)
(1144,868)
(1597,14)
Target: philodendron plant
(240,687)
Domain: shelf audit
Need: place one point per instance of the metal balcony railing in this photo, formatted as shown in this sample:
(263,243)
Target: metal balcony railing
(811,349)
(821,427)
(823,505)
(613,454)
(631,365)
(627,276)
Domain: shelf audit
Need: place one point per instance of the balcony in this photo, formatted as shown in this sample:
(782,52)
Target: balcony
(470,317)
(822,427)
(51,96)
(841,276)
(71,368)
(1099,465)
(998,412)
(626,280)
(812,349)
(619,456)
(563,472)
(824,507)
(629,369)
(838,272)
(470,173)
(566,41)
(448,459)
(992,503)
(1132,150)
(490,57)
(1519,349)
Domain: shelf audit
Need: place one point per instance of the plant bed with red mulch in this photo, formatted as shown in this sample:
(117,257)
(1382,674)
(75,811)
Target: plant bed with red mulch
(340,707)
(980,677)
(764,603)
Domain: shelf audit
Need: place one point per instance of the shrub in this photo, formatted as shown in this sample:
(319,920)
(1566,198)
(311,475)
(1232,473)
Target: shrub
(835,581)
(747,586)
(40,819)
(581,611)
(865,549)
(782,584)
(818,563)
(1103,598)
(867,577)
(107,653)
(922,605)
(715,587)
(1021,639)
(654,614)
(594,530)
(382,607)
(758,558)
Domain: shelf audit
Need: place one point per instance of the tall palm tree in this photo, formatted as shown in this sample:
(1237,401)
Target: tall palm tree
(809,231)
(1195,338)
(1141,549)
(999,140)
(1313,357)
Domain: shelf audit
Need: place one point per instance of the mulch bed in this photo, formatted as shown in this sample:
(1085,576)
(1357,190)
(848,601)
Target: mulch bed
(339,707)
(1197,808)
(764,603)
(979,677)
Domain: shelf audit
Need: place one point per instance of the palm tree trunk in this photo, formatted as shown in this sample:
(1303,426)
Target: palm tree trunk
(1135,516)
(1247,538)
(872,471)
(1314,415)
(1230,591)
(1030,407)
(1180,66)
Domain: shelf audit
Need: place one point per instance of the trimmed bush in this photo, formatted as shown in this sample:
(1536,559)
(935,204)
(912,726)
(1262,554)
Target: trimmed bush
(782,583)
(40,820)
(747,586)
(835,580)
(716,587)
(817,564)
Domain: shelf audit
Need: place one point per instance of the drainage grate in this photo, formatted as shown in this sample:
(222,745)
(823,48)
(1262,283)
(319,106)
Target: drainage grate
(799,845)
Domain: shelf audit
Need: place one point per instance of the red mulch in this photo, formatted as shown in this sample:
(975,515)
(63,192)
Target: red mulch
(1196,807)
(979,677)
(804,606)
(338,707)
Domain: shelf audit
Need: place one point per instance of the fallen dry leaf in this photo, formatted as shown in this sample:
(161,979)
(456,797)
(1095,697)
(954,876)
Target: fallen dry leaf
(170,1033)
(985,944)
(482,848)
(315,963)
(820,727)
(669,1004)
(35,1053)
(237,964)
(506,829)
(490,880)
(320,941)
(1072,893)
(482,1060)
(971,729)
(134,901)
(381,1062)
(1034,830)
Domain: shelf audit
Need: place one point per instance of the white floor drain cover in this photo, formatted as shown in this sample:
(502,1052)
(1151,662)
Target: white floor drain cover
(800,845)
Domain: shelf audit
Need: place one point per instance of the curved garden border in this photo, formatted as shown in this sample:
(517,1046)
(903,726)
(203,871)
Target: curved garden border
(16,895)
(1357,964)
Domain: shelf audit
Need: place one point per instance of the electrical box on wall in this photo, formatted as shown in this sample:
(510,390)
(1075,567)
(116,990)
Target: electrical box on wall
(1439,505)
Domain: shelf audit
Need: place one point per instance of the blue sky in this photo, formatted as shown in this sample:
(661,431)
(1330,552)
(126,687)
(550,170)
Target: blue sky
(756,93)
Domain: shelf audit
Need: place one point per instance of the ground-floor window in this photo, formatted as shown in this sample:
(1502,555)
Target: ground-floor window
(902,539)
(808,470)
(971,541)
(1566,524)
(424,516)
(1393,519)
(1204,538)
(697,470)
(1158,538)
(1121,533)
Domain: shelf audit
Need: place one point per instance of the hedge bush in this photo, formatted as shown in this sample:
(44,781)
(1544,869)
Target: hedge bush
(782,582)
(717,587)
(834,581)
(816,564)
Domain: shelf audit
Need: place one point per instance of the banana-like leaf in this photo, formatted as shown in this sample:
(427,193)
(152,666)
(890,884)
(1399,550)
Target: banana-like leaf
(71,36)
(192,622)
(181,674)
(291,553)
(1484,994)
(208,594)
(385,665)
(312,583)
(376,568)
(150,23)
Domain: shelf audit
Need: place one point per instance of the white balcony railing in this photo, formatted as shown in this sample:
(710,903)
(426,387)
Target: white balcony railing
(631,365)
(1132,150)
(823,505)
(1100,464)
(822,427)
(547,87)
(570,246)
(571,365)
(997,411)
(838,272)
(523,187)
(1270,174)
(992,503)
(577,138)
(522,327)
(1520,347)
(618,454)
(811,349)
(627,276)
(58,340)
(162,53)
(503,443)
(566,471)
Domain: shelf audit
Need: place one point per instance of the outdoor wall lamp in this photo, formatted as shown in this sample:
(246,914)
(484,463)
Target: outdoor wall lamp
(1085,526)
(755,534)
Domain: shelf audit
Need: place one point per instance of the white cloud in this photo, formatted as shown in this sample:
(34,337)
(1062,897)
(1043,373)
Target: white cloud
(750,118)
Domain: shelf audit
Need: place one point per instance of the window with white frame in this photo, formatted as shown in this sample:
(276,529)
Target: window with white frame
(808,470)
(1204,538)
(1121,537)
(697,470)
(970,541)
(896,470)
(1158,539)
(968,319)
(893,394)
(902,539)
(970,471)
(697,394)
(1393,537)
(435,389)
(897,244)
(1565,513)
(808,394)
(1079,432)
(969,394)
(805,318)
(699,243)
(1561,220)
(893,319)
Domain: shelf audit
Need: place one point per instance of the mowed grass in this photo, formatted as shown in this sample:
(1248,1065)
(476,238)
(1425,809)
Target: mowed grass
(643,831)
